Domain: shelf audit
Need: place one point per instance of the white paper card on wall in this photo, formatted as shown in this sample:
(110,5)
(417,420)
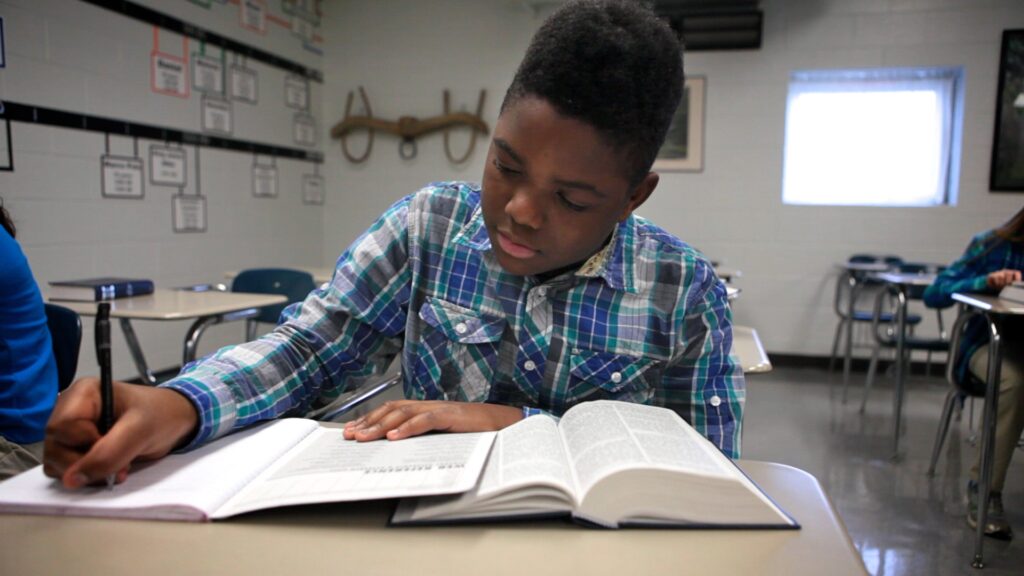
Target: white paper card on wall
(296,92)
(167,166)
(169,75)
(312,189)
(189,213)
(304,129)
(302,28)
(121,177)
(207,73)
(264,181)
(216,115)
(244,85)
(253,15)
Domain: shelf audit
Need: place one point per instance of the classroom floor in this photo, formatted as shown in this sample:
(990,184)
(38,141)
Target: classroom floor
(901,521)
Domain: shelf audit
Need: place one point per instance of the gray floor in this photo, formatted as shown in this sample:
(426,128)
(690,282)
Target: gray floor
(901,521)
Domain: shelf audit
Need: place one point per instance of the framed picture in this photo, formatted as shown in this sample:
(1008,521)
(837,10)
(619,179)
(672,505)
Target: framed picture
(683,150)
(1007,172)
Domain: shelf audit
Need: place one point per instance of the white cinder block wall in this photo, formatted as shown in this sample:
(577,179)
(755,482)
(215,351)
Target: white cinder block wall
(74,56)
(406,52)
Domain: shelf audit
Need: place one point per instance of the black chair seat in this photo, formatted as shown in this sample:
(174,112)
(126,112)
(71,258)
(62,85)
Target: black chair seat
(924,344)
(66,337)
(885,318)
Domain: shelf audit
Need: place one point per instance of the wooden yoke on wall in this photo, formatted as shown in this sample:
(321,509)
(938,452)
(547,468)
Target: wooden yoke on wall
(408,128)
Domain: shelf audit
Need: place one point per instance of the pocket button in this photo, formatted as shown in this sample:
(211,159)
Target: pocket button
(616,377)
(461,328)
(529,365)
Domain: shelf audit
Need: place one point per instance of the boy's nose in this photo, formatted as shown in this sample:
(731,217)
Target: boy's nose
(524,210)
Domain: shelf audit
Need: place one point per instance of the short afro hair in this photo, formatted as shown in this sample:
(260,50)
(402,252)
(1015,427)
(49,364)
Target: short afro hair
(612,64)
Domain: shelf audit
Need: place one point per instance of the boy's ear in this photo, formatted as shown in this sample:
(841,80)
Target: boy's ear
(640,194)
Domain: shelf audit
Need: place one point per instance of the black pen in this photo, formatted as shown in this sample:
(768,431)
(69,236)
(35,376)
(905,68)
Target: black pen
(106,380)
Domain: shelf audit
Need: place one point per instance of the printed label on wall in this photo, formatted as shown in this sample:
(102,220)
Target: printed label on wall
(207,74)
(296,92)
(169,75)
(264,181)
(304,129)
(216,115)
(253,15)
(312,189)
(244,85)
(303,28)
(189,213)
(167,166)
(121,177)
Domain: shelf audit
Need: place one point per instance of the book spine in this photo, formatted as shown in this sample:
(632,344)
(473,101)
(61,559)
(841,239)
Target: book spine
(123,290)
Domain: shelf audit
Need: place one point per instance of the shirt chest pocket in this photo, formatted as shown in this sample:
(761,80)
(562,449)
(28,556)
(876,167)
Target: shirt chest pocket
(595,374)
(458,351)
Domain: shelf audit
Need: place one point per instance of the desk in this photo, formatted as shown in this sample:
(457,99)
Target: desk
(746,345)
(207,308)
(901,283)
(727,274)
(995,310)
(354,539)
(320,275)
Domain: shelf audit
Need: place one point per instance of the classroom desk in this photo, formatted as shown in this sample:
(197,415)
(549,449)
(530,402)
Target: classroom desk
(320,275)
(207,308)
(746,345)
(732,293)
(901,283)
(354,539)
(994,310)
(727,274)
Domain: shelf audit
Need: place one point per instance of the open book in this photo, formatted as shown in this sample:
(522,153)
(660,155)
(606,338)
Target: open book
(607,463)
(1013,292)
(286,462)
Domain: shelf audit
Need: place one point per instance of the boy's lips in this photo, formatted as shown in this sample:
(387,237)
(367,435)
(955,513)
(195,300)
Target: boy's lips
(513,248)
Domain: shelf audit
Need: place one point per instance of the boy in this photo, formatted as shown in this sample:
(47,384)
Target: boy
(536,291)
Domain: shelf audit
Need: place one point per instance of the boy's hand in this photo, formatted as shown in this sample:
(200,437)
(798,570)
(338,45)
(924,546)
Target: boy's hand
(1002,278)
(148,423)
(404,418)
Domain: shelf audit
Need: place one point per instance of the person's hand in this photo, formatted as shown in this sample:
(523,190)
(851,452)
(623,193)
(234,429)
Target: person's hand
(148,423)
(1002,278)
(404,418)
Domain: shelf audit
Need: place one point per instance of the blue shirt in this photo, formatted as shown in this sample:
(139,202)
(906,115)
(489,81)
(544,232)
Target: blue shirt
(28,372)
(645,320)
(985,254)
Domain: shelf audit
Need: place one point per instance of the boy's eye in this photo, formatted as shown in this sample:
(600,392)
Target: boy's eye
(570,204)
(504,169)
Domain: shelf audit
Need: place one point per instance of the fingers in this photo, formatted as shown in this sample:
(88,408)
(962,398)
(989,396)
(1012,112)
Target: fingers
(389,417)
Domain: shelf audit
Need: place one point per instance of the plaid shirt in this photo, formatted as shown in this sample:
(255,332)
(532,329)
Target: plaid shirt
(644,320)
(986,253)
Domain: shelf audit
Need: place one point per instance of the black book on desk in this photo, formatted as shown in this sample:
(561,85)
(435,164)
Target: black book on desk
(97,289)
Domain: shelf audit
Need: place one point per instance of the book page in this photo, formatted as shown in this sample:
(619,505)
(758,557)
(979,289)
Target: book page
(187,486)
(328,468)
(603,437)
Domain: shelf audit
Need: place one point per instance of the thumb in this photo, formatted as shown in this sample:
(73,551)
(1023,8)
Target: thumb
(109,455)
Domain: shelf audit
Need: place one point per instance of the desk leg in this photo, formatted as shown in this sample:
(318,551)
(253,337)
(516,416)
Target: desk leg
(192,336)
(901,370)
(988,442)
(133,346)
(848,358)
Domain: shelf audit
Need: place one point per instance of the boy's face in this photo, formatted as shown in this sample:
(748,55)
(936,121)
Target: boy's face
(553,190)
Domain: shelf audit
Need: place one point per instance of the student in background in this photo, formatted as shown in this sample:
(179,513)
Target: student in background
(535,291)
(993,260)
(28,372)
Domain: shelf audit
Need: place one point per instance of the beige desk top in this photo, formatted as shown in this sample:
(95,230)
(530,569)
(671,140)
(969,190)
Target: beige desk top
(320,274)
(165,304)
(993,304)
(746,344)
(354,539)
(907,279)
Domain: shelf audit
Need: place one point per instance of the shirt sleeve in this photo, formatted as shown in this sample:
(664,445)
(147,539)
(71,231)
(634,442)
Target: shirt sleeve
(703,383)
(967,274)
(340,336)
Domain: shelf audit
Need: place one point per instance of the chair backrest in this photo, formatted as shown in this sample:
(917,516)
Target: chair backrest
(66,334)
(293,284)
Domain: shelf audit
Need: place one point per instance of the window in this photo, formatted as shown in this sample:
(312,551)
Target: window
(885,137)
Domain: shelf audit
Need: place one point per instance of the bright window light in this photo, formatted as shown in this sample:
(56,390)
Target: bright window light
(872,137)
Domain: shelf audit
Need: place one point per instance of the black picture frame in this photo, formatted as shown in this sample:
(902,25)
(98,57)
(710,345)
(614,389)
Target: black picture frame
(1006,173)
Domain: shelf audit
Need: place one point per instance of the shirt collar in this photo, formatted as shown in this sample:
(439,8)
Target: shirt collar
(614,263)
